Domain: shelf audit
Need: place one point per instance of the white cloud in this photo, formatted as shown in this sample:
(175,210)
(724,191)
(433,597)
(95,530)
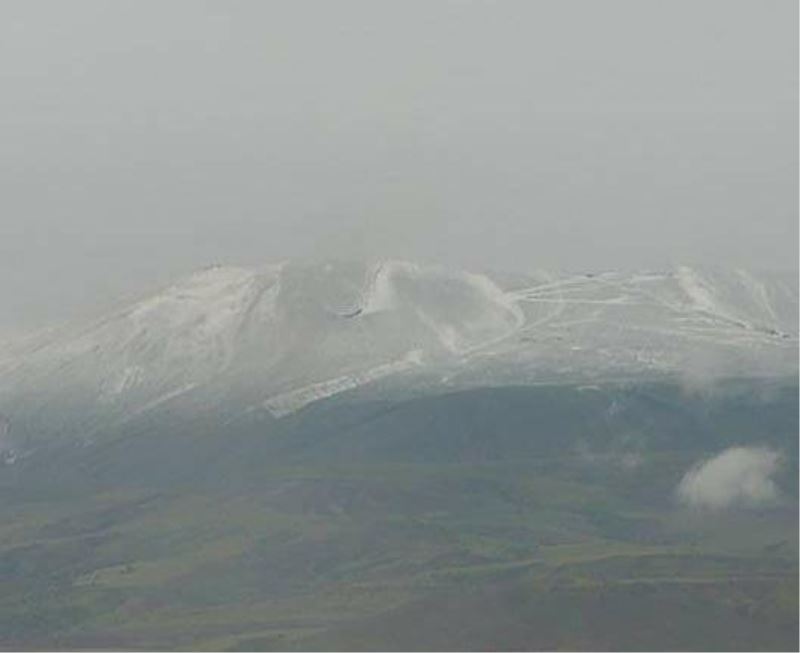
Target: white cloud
(737,476)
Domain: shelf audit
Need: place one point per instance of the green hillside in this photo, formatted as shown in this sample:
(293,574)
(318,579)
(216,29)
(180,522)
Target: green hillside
(511,518)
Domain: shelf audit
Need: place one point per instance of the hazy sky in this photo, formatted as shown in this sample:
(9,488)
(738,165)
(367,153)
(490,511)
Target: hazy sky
(143,139)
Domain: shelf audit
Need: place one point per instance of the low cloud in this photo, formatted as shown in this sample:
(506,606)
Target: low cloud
(739,476)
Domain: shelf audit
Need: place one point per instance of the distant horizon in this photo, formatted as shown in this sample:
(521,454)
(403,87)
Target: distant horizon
(144,139)
(106,305)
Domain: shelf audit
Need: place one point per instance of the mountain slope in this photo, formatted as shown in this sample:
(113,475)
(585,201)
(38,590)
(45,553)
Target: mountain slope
(274,339)
(524,518)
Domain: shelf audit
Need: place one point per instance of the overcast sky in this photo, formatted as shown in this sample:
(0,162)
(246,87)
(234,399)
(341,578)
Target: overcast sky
(143,139)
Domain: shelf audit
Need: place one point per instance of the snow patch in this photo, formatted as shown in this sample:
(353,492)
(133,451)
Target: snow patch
(380,295)
(126,379)
(290,402)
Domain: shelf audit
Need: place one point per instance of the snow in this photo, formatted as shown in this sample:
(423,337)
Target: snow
(702,296)
(297,333)
(129,377)
(379,295)
(289,402)
(699,296)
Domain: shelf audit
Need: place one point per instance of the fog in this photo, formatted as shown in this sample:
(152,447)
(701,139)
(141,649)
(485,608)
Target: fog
(144,139)
(739,476)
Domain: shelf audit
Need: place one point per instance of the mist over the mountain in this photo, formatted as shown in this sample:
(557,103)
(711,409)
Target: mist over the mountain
(415,326)
(143,142)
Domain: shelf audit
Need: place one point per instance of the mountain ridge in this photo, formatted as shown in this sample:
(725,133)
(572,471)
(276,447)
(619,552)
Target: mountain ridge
(279,337)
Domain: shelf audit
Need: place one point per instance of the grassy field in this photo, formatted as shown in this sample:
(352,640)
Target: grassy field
(473,546)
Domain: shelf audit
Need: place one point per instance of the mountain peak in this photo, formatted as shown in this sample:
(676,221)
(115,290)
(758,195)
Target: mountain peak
(284,335)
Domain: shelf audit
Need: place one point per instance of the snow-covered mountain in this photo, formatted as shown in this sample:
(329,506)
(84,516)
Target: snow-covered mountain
(277,338)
